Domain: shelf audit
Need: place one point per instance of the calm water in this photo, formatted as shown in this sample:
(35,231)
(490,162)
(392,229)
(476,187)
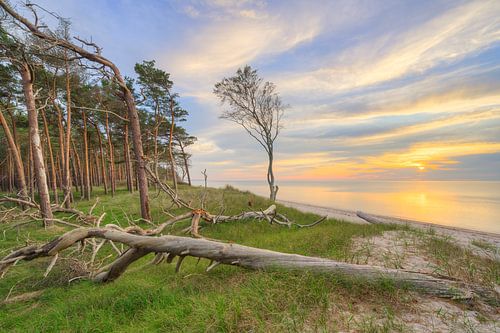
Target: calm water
(466,204)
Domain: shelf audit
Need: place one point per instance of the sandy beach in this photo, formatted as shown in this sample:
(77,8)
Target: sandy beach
(466,237)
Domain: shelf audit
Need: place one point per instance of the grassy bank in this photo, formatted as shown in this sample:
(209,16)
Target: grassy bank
(228,299)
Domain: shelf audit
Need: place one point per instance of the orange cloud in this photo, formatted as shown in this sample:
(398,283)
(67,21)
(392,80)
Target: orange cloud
(420,157)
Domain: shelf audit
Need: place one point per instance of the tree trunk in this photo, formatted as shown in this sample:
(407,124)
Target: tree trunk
(9,173)
(67,170)
(103,162)
(242,256)
(128,164)
(111,154)
(137,144)
(170,143)
(62,150)
(18,162)
(86,193)
(30,170)
(78,169)
(185,159)
(155,137)
(51,156)
(273,190)
(39,167)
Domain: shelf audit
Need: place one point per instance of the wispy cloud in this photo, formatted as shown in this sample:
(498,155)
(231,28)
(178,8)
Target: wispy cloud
(235,37)
(467,29)
(464,118)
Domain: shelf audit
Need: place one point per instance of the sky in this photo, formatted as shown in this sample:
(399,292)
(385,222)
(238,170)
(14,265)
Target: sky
(389,90)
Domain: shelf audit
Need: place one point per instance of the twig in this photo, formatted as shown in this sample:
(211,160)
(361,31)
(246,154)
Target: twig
(51,265)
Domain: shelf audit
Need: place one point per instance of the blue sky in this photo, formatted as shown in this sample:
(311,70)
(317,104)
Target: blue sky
(377,89)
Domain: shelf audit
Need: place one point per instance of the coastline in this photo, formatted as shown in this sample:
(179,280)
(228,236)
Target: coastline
(464,236)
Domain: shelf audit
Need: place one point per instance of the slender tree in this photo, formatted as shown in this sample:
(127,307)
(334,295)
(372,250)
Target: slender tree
(8,82)
(256,106)
(184,140)
(18,53)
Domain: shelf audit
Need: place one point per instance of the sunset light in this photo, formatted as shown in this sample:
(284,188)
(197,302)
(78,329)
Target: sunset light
(305,165)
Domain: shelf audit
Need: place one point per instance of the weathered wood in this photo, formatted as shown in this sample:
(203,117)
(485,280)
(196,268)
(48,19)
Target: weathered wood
(369,218)
(242,256)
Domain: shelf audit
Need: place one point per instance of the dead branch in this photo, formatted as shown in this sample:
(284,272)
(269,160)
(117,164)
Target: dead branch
(268,214)
(166,188)
(204,193)
(242,256)
(19,201)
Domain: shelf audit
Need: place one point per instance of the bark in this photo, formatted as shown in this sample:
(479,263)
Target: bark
(155,137)
(111,154)
(39,166)
(103,162)
(67,170)
(9,172)
(140,162)
(128,164)
(78,169)
(30,170)
(170,144)
(273,189)
(185,159)
(242,256)
(86,193)
(18,162)
(62,148)
(51,156)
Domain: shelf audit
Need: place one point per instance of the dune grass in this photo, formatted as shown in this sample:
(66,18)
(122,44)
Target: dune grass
(228,299)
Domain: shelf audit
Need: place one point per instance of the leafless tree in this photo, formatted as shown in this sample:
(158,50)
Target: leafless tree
(257,107)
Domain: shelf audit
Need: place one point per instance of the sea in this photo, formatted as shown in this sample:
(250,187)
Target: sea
(465,204)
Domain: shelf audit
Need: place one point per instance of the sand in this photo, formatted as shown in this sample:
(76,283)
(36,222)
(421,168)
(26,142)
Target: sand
(403,250)
(484,244)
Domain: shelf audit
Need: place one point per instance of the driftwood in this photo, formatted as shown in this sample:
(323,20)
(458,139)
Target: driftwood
(167,247)
(369,218)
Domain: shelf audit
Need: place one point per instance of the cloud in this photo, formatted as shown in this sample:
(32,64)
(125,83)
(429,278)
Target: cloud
(223,46)
(206,146)
(421,157)
(226,35)
(464,118)
(461,31)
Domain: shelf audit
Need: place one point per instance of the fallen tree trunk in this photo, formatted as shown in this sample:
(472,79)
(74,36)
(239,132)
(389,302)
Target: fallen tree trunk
(239,255)
(369,218)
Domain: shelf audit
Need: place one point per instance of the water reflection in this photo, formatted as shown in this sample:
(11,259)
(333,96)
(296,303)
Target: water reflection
(467,204)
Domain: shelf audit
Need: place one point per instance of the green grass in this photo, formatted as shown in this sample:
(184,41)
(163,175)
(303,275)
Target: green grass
(228,299)
(455,261)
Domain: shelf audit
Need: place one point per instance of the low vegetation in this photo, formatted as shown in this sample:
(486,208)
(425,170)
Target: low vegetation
(154,298)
